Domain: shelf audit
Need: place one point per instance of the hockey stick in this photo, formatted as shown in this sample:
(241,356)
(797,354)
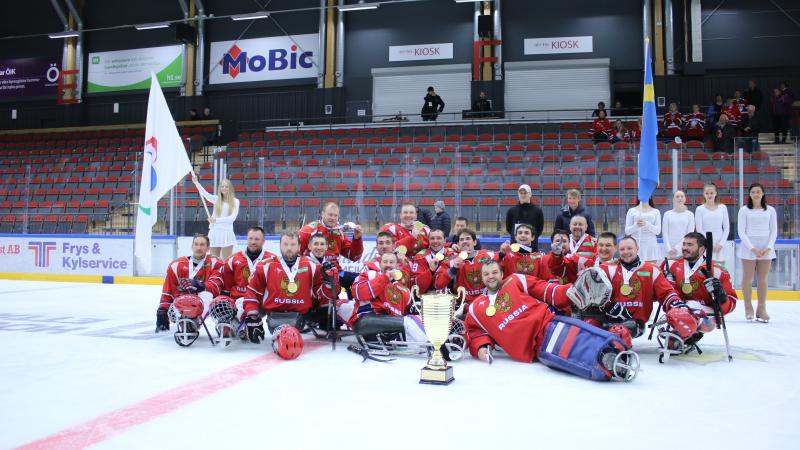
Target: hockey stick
(368,354)
(658,310)
(718,317)
(208,333)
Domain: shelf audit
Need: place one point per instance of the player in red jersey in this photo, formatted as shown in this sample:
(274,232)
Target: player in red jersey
(241,265)
(427,262)
(695,124)
(338,242)
(572,265)
(465,268)
(285,289)
(673,121)
(580,242)
(520,257)
(409,233)
(698,289)
(559,241)
(511,315)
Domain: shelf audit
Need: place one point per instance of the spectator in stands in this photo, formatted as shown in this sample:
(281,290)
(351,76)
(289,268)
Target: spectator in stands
(739,101)
(715,110)
(619,133)
(572,208)
(220,224)
(643,222)
(601,127)
(749,127)
(207,114)
(781,102)
(723,135)
(193,114)
(461,223)
(433,105)
(424,216)
(713,216)
(677,223)
(601,106)
(618,109)
(525,212)
(731,109)
(753,95)
(441,220)
(634,133)
(695,124)
(482,104)
(758,230)
(673,122)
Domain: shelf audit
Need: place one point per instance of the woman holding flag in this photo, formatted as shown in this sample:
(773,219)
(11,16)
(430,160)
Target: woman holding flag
(220,222)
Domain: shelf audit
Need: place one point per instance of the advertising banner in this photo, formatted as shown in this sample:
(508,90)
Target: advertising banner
(421,52)
(127,70)
(67,255)
(264,59)
(28,77)
(557,45)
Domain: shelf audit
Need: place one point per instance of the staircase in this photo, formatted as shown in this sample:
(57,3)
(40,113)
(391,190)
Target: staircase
(781,155)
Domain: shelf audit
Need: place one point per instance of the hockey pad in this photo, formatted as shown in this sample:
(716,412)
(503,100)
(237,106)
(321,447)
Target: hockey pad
(592,288)
(372,324)
(577,347)
(683,322)
(276,319)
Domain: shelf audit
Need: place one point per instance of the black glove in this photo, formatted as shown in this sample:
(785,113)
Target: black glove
(714,288)
(616,310)
(329,273)
(162,320)
(669,276)
(255,329)
(191,285)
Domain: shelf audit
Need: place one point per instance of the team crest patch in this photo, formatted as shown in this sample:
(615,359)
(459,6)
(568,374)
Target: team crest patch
(636,287)
(524,265)
(503,302)
(474,276)
(394,294)
(246,273)
(331,244)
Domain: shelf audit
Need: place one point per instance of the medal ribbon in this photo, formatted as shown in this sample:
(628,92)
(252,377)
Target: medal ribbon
(194,269)
(291,273)
(574,246)
(688,272)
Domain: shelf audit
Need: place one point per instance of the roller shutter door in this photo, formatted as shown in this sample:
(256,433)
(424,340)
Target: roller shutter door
(402,89)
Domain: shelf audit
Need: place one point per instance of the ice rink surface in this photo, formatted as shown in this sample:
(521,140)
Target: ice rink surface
(81,367)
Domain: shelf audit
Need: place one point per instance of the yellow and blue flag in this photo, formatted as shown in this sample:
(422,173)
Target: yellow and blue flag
(648,149)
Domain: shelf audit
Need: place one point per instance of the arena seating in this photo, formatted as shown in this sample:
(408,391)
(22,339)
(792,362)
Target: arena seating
(81,181)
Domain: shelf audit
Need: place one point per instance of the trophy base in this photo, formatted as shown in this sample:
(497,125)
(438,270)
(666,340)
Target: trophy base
(436,376)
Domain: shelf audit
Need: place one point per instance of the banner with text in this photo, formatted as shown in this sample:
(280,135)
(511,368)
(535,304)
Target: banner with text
(421,52)
(28,77)
(66,255)
(264,59)
(555,45)
(127,70)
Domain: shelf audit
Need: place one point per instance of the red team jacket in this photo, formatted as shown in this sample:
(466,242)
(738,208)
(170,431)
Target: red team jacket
(421,274)
(384,295)
(672,124)
(733,113)
(648,284)
(587,247)
(695,125)
(520,320)
(572,265)
(602,126)
(404,237)
(238,269)
(525,264)
(268,288)
(338,244)
(208,273)
(404,266)
(699,292)
(469,276)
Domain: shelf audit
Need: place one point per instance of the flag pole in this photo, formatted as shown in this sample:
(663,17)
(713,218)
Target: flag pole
(202,199)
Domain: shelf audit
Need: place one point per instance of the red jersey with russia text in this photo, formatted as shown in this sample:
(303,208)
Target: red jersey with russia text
(268,289)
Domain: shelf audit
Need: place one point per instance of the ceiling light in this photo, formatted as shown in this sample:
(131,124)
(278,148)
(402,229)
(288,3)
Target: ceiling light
(151,26)
(64,34)
(251,16)
(358,6)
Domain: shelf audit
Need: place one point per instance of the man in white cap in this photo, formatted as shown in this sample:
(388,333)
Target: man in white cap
(525,212)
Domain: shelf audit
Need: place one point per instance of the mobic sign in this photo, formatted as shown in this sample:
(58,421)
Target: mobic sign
(422,51)
(548,46)
(274,58)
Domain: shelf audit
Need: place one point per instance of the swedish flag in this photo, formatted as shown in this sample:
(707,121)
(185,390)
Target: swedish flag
(648,150)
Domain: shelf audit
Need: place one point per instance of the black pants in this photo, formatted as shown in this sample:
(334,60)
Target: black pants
(429,116)
(780,125)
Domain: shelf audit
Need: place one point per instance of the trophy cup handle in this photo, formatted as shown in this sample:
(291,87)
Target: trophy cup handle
(461,294)
(414,291)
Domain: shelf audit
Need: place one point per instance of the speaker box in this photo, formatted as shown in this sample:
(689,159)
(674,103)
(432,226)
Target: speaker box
(185,33)
(485,26)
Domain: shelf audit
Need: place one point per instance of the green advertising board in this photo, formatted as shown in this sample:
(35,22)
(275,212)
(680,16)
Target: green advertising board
(127,70)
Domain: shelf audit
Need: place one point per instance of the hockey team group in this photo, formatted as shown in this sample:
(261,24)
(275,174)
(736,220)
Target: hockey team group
(577,308)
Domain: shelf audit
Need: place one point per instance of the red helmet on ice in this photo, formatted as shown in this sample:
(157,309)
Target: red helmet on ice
(683,322)
(287,342)
(189,306)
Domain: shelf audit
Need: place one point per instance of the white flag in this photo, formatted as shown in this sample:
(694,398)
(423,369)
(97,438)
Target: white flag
(164,164)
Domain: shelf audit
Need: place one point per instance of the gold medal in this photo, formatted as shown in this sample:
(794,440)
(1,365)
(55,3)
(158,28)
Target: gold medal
(686,288)
(439,257)
(626,289)
(402,250)
(291,287)
(398,275)
(490,310)
(515,247)
(463,255)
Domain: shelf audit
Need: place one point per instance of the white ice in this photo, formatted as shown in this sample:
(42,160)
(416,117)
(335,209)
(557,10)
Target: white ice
(77,353)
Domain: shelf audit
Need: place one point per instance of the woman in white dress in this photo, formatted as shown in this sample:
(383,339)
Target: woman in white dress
(643,223)
(220,224)
(713,216)
(676,224)
(758,230)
